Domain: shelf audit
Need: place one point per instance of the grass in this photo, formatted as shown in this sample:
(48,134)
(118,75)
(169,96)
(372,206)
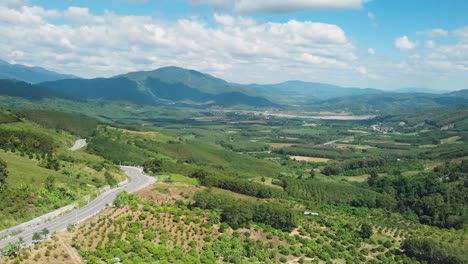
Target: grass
(62,139)
(450,140)
(25,171)
(179,178)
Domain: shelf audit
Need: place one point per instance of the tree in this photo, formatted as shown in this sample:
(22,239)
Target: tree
(372,180)
(3,171)
(45,231)
(366,231)
(199,174)
(36,236)
(312,173)
(50,183)
(13,248)
(263,179)
(430,250)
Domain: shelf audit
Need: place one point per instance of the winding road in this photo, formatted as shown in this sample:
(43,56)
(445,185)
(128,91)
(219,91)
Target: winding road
(138,181)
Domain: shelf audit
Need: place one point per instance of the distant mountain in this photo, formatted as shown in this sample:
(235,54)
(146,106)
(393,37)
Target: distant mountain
(146,90)
(22,89)
(460,93)
(390,102)
(310,89)
(29,74)
(118,89)
(174,75)
(418,90)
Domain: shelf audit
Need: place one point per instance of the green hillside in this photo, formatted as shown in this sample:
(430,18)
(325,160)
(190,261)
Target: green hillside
(41,173)
(191,78)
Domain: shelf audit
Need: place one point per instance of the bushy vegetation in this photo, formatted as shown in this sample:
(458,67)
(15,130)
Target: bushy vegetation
(329,192)
(238,213)
(26,142)
(76,124)
(431,251)
(241,186)
(437,198)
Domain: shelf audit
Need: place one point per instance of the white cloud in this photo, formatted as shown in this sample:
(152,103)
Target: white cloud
(462,33)
(281,6)
(362,70)
(403,43)
(430,44)
(434,33)
(92,45)
(13,3)
(236,48)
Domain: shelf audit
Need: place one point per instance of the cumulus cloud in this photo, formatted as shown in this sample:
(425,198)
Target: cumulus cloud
(281,6)
(92,45)
(403,43)
(433,33)
(461,33)
(236,48)
(13,3)
(430,44)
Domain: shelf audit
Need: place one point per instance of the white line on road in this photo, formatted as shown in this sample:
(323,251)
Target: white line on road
(138,181)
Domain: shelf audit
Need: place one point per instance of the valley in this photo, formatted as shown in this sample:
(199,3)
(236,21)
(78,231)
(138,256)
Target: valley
(253,182)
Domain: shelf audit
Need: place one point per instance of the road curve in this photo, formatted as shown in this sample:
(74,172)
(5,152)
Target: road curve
(138,181)
(80,143)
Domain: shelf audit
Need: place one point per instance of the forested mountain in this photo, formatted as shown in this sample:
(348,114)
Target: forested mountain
(150,91)
(119,89)
(174,75)
(311,89)
(25,90)
(388,102)
(29,74)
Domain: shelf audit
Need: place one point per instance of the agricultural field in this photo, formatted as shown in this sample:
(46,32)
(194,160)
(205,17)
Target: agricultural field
(265,175)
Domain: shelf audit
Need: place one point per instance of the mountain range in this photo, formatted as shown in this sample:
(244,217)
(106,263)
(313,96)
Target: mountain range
(184,87)
(29,74)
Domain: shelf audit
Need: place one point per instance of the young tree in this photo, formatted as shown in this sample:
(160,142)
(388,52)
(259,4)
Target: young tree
(13,248)
(45,232)
(3,171)
(50,183)
(366,231)
(36,236)
(312,173)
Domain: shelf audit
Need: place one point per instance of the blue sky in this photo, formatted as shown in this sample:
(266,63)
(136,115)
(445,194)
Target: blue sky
(385,44)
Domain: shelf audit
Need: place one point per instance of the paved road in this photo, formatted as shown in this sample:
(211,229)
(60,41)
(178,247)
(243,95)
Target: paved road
(138,180)
(78,144)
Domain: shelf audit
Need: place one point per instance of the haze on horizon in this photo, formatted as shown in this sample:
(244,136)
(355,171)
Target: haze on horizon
(352,43)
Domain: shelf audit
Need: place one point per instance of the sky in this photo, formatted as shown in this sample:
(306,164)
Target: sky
(386,44)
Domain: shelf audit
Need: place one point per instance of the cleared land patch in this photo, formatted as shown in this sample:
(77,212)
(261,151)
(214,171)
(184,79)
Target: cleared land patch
(308,159)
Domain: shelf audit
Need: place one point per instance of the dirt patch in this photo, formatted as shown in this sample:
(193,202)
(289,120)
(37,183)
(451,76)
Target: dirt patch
(280,145)
(308,159)
(164,193)
(311,125)
(357,178)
